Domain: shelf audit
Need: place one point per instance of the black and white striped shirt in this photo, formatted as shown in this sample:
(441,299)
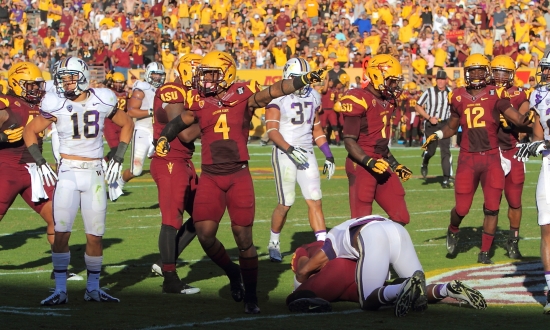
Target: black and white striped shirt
(436,102)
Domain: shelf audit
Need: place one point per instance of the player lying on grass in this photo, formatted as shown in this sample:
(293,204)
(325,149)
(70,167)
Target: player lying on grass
(353,263)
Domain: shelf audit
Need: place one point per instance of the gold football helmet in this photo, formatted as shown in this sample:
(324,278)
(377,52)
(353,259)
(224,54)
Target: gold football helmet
(503,69)
(460,82)
(118,82)
(413,88)
(344,79)
(477,71)
(25,80)
(385,74)
(216,72)
(187,68)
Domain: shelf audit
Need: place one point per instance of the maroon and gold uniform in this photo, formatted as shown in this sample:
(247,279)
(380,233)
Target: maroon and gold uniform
(338,272)
(111,131)
(507,139)
(14,177)
(479,157)
(368,118)
(225,175)
(174,174)
(328,115)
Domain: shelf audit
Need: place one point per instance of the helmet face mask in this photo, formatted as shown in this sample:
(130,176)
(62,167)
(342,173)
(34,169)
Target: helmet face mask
(393,87)
(503,77)
(543,73)
(34,90)
(216,73)
(209,80)
(118,83)
(477,71)
(155,74)
(72,78)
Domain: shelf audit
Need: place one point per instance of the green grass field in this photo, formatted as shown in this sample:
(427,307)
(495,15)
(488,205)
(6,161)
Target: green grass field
(514,290)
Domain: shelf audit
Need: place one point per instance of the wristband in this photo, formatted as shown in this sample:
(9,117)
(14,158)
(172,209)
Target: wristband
(35,152)
(3,137)
(393,162)
(439,134)
(366,160)
(120,151)
(326,150)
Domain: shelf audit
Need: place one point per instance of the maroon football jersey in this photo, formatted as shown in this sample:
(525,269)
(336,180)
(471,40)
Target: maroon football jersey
(368,118)
(508,137)
(111,131)
(224,124)
(479,116)
(328,98)
(20,114)
(410,103)
(170,93)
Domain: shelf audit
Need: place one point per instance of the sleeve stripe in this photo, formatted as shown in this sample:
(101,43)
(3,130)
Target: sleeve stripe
(355,99)
(5,101)
(272,106)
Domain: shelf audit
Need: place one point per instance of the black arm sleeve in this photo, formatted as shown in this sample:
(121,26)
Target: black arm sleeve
(280,88)
(393,162)
(35,152)
(172,129)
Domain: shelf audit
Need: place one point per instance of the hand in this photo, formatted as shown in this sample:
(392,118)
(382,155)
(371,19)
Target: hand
(163,146)
(434,120)
(403,172)
(377,165)
(297,154)
(12,134)
(315,76)
(48,176)
(114,168)
(504,122)
(329,167)
(429,139)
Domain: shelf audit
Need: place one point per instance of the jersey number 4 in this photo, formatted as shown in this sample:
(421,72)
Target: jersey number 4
(221,126)
(90,123)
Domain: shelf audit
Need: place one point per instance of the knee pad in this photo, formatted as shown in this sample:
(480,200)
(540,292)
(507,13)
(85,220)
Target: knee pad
(486,211)
(137,167)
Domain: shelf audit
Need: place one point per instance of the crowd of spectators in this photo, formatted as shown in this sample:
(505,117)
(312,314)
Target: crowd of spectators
(425,35)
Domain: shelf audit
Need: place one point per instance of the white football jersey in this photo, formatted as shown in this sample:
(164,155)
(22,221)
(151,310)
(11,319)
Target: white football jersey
(297,117)
(146,104)
(49,87)
(80,124)
(540,101)
(339,236)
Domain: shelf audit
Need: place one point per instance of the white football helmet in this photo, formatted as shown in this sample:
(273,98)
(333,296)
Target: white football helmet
(297,67)
(72,70)
(543,71)
(155,68)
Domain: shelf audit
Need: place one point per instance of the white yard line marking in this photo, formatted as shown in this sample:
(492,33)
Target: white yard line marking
(247,319)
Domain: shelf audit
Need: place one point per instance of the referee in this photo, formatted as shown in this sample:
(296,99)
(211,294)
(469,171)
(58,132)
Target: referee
(434,106)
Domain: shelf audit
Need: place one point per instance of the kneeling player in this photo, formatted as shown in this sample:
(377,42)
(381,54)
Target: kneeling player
(328,272)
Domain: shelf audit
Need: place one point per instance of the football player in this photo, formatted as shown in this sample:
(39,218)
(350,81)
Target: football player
(539,100)
(223,109)
(175,177)
(79,113)
(373,172)
(503,70)
(477,108)
(329,121)
(140,107)
(18,107)
(292,121)
(117,84)
(413,121)
(336,278)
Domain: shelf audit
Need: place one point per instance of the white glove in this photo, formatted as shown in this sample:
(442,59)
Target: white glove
(297,154)
(329,167)
(47,175)
(113,170)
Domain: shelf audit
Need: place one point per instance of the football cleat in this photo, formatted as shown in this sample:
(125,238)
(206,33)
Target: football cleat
(546,309)
(513,248)
(275,251)
(236,284)
(310,305)
(462,292)
(100,296)
(483,258)
(447,184)
(413,294)
(251,306)
(57,298)
(173,284)
(424,171)
(452,242)
(156,268)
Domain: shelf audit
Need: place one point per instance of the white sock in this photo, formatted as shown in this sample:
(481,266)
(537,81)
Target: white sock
(443,290)
(60,265)
(274,237)
(547,278)
(391,291)
(93,265)
(321,235)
